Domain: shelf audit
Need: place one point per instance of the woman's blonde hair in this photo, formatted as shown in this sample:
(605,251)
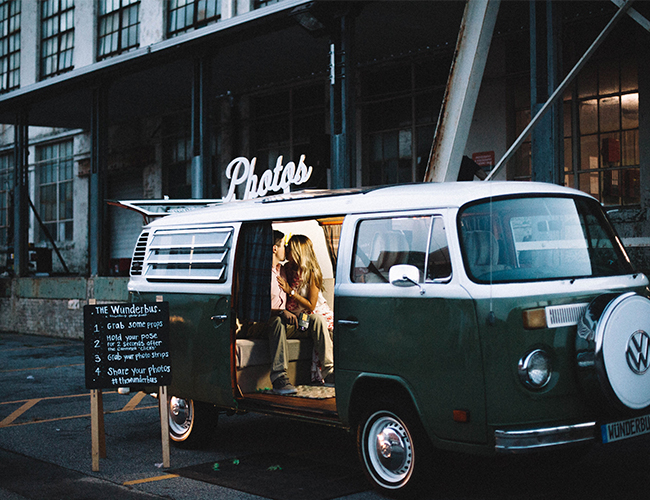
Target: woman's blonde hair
(302,253)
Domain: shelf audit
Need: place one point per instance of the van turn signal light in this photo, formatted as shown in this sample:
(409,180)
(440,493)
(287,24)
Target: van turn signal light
(534,318)
(461,416)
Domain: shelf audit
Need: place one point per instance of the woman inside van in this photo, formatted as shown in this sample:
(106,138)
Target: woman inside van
(304,286)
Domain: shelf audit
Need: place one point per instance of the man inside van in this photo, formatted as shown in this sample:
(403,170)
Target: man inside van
(283,324)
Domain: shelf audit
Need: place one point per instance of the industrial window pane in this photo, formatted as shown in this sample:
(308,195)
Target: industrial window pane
(187,15)
(119,26)
(9,45)
(257,4)
(630,111)
(589,152)
(630,148)
(608,128)
(609,114)
(54,165)
(589,117)
(57,37)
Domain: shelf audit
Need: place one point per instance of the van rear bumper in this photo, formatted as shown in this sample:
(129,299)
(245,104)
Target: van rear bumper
(518,441)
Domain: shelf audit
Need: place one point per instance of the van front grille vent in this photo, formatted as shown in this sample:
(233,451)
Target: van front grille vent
(138,254)
(189,255)
(566,315)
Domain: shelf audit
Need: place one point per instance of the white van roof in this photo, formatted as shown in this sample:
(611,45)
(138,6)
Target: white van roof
(330,203)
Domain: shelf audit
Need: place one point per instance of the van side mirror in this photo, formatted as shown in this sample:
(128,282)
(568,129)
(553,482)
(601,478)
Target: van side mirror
(405,275)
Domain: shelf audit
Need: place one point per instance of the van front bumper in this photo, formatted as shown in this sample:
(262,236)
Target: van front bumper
(517,441)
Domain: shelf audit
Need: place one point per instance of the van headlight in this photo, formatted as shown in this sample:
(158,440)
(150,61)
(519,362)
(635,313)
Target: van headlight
(535,369)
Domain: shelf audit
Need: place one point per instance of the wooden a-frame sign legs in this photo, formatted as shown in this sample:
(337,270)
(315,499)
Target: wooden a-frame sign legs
(98,435)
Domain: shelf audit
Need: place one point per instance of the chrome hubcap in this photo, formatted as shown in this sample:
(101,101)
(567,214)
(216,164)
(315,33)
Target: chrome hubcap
(180,415)
(390,450)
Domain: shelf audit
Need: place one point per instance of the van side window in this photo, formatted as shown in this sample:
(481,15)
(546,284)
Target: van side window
(383,243)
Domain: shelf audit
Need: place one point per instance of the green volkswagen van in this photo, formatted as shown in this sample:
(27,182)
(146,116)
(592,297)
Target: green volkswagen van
(475,317)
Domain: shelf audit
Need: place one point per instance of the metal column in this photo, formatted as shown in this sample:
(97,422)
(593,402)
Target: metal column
(342,102)
(201,164)
(97,247)
(21,195)
(463,85)
(547,143)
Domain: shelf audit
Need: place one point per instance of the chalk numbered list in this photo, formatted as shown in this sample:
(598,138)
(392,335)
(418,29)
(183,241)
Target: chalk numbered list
(127,345)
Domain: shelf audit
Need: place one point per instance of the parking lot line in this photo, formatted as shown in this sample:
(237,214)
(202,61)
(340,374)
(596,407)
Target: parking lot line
(17,413)
(29,403)
(39,368)
(135,400)
(150,479)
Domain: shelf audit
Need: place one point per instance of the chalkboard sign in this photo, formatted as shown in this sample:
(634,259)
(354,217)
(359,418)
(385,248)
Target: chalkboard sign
(127,345)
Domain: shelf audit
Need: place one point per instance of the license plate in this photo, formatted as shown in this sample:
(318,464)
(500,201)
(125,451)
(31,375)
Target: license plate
(624,429)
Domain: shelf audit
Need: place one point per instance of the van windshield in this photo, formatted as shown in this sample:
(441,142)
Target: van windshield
(539,238)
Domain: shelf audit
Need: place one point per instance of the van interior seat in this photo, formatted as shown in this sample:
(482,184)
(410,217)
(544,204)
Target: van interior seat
(482,249)
(389,248)
(255,352)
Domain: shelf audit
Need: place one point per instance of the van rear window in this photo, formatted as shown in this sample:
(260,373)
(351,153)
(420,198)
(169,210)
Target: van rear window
(542,238)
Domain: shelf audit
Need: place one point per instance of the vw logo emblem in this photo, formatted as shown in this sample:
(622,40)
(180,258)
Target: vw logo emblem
(638,348)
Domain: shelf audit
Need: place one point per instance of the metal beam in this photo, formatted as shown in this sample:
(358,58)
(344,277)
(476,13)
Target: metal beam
(462,90)
(559,91)
(634,14)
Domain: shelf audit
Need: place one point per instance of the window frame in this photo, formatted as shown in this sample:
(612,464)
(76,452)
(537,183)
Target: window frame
(63,189)
(122,12)
(624,177)
(424,271)
(173,8)
(10,12)
(62,11)
(510,269)
(258,4)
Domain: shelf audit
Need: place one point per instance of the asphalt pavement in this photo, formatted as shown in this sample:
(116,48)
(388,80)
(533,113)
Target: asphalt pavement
(45,448)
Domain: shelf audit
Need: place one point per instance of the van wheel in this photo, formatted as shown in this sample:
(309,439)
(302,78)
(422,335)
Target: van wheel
(393,451)
(191,423)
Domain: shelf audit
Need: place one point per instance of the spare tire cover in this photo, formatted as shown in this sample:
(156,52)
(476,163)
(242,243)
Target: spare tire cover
(616,331)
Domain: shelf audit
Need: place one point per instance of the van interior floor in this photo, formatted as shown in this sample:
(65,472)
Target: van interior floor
(309,400)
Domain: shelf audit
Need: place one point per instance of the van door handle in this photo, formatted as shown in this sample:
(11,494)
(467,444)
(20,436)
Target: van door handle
(219,319)
(348,322)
